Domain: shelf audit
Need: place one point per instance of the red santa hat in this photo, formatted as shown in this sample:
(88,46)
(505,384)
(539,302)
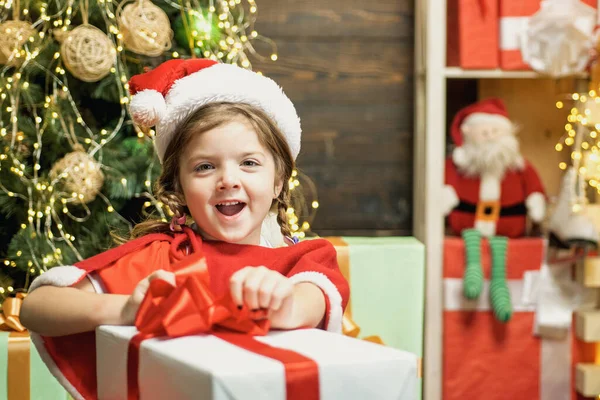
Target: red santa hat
(166,95)
(490,110)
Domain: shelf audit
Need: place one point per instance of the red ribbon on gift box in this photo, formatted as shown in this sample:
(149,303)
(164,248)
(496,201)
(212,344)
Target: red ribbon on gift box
(190,308)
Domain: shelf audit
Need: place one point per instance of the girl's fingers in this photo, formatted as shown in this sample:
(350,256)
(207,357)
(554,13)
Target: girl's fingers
(252,285)
(267,286)
(164,275)
(236,285)
(283,290)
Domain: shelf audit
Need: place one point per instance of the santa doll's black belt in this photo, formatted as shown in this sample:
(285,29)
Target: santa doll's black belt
(506,211)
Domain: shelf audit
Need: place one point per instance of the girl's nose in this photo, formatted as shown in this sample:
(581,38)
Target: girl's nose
(229,180)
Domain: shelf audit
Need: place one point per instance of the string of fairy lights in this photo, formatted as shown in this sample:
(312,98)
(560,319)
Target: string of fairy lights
(581,140)
(221,30)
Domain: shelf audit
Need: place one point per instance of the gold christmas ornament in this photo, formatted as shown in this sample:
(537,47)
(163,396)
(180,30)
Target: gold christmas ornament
(79,173)
(88,53)
(13,35)
(145,27)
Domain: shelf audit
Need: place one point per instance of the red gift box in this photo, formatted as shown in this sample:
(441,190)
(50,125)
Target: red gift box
(514,16)
(485,359)
(472,34)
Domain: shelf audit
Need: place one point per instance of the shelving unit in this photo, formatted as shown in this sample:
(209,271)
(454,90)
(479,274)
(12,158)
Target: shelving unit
(432,76)
(459,73)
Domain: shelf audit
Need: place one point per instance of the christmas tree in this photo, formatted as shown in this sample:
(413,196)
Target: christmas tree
(73,167)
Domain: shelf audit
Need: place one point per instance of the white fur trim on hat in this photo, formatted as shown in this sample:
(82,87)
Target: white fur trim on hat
(336,313)
(486,118)
(227,83)
(147,107)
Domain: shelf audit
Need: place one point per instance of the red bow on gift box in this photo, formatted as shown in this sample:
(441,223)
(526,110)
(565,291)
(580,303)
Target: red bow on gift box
(191,308)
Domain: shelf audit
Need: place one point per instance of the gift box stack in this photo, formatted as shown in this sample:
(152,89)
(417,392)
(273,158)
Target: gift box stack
(23,374)
(387,289)
(486,34)
(486,359)
(587,331)
(387,281)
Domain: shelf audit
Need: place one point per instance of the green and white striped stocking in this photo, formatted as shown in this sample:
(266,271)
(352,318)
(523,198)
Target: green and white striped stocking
(473,278)
(499,294)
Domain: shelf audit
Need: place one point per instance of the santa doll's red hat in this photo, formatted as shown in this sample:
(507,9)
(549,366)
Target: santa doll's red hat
(486,108)
(166,95)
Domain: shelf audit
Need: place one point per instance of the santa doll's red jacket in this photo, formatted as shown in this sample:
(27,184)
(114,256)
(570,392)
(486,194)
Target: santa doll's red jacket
(72,358)
(508,201)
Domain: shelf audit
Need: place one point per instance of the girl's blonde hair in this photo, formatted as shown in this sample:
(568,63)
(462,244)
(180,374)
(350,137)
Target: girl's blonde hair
(168,187)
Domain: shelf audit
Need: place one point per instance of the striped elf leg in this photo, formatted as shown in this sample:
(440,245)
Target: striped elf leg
(473,278)
(499,294)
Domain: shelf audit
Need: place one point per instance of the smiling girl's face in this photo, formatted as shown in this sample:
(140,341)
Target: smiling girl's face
(228,182)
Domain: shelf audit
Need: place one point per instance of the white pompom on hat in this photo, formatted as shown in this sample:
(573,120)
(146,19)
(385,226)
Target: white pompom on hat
(165,96)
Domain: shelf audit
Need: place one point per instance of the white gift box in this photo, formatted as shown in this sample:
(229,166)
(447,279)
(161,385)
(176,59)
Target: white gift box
(207,367)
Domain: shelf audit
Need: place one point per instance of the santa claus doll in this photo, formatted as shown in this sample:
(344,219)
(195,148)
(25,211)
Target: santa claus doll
(490,191)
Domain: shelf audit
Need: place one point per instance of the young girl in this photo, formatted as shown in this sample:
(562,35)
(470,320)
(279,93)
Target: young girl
(227,139)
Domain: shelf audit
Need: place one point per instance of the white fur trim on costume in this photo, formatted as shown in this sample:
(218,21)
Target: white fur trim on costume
(487,228)
(62,277)
(536,206)
(489,188)
(335,299)
(227,83)
(449,199)
(459,157)
(147,107)
(58,276)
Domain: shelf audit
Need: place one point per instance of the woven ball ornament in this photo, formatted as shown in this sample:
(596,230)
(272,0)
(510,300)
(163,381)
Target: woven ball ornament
(145,27)
(13,35)
(81,174)
(88,53)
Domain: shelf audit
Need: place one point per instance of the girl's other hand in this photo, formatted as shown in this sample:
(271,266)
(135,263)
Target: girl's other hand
(260,287)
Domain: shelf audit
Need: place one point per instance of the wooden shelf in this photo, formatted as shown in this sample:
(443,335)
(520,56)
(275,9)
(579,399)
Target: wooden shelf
(459,73)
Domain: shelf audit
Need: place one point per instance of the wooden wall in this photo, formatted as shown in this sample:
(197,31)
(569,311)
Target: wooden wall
(348,67)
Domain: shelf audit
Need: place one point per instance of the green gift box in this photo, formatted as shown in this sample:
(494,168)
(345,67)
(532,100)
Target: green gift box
(387,288)
(23,374)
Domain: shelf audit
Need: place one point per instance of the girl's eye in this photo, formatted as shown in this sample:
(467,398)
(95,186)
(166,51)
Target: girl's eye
(203,167)
(249,163)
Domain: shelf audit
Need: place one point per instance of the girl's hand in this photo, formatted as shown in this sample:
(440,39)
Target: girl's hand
(132,305)
(260,287)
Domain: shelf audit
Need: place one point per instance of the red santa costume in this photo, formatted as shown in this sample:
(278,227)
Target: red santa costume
(187,85)
(494,202)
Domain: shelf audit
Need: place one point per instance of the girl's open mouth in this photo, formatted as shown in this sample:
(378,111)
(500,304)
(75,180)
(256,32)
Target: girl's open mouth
(230,208)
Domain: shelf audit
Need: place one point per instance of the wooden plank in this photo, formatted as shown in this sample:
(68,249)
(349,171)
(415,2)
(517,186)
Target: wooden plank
(340,18)
(307,60)
(364,197)
(359,119)
(324,146)
(363,232)
(395,87)
(429,148)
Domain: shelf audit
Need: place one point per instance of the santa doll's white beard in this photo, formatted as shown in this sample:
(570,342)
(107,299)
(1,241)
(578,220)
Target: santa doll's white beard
(490,158)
